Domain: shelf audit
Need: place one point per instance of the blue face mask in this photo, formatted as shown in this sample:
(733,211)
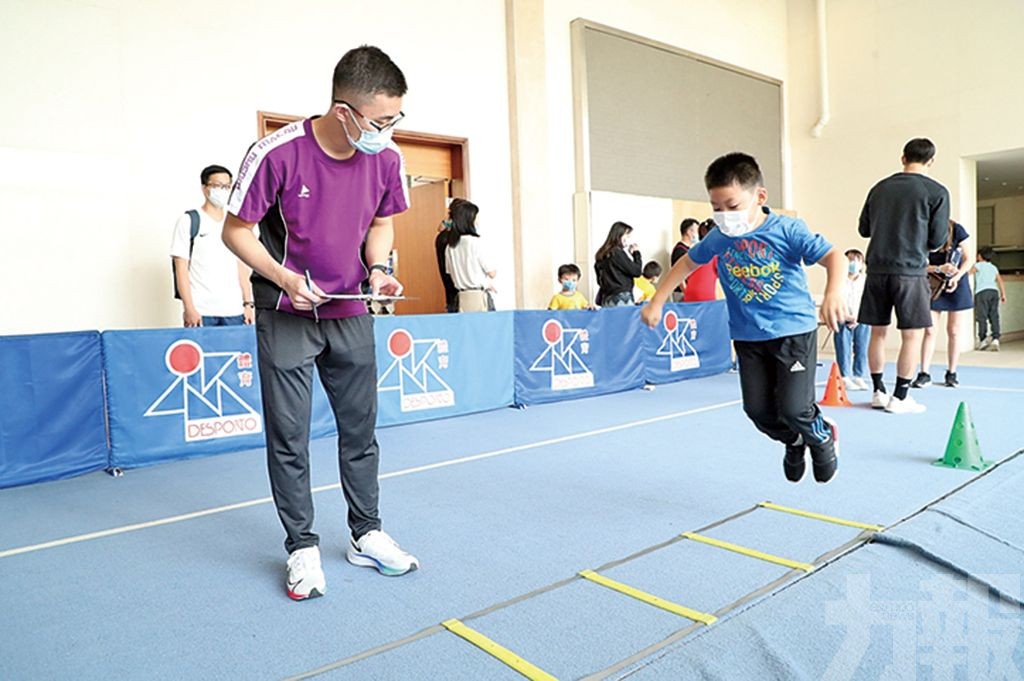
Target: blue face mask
(855,267)
(569,285)
(369,142)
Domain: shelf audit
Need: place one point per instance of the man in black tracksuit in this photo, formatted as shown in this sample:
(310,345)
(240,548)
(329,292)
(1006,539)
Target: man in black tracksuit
(905,216)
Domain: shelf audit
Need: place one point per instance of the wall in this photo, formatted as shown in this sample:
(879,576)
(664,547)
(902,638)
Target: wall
(1009,220)
(887,87)
(748,33)
(120,104)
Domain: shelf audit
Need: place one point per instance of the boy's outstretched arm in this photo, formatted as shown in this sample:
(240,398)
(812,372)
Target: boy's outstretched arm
(833,307)
(651,313)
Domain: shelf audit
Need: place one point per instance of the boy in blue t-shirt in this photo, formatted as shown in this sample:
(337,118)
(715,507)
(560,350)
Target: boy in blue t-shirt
(771,314)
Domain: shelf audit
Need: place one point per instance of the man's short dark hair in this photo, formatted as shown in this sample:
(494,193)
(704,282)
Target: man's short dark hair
(987,252)
(368,71)
(567,270)
(686,224)
(736,167)
(651,270)
(204,176)
(854,252)
(918,150)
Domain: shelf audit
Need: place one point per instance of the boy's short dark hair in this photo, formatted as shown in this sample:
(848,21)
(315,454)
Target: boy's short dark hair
(204,176)
(652,269)
(735,167)
(570,269)
(854,252)
(367,70)
(986,253)
(918,150)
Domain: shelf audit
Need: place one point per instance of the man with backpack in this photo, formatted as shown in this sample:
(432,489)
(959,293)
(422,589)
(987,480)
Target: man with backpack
(212,284)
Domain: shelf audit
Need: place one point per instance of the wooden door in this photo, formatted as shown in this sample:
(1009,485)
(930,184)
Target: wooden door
(417,268)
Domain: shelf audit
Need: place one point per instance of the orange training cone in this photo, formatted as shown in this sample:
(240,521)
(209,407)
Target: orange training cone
(835,390)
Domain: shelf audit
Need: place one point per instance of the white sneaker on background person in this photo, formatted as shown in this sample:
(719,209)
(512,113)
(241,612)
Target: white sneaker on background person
(994,345)
(879,400)
(983,343)
(861,383)
(851,383)
(378,550)
(305,576)
(908,405)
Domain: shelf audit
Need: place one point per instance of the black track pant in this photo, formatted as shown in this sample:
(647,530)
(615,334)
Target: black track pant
(777,380)
(343,352)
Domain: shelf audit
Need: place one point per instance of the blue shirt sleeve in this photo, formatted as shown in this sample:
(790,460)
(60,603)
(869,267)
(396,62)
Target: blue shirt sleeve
(707,248)
(807,246)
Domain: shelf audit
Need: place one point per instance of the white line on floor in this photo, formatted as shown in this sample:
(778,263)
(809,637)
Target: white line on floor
(385,476)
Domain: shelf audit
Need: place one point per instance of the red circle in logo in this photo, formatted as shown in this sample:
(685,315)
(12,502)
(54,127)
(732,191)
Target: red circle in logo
(671,320)
(552,331)
(184,357)
(399,343)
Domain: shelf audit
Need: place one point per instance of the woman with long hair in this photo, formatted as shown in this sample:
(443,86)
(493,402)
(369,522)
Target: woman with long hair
(953,261)
(466,261)
(618,263)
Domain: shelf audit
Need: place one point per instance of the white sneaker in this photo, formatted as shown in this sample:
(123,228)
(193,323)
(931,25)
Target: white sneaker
(983,343)
(905,406)
(851,383)
(305,576)
(879,400)
(994,345)
(378,550)
(861,383)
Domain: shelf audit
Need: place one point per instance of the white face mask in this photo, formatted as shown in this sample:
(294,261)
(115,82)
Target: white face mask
(735,222)
(219,197)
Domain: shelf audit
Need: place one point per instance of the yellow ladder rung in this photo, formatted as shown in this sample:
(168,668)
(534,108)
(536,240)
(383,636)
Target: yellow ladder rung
(495,650)
(818,516)
(649,599)
(760,555)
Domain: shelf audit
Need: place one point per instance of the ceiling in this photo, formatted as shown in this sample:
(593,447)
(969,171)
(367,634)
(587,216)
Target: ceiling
(1001,174)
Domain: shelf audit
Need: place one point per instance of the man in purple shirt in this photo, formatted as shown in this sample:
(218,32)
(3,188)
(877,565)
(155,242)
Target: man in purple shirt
(324,191)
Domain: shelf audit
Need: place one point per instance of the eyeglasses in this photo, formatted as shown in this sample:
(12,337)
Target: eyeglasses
(219,186)
(379,127)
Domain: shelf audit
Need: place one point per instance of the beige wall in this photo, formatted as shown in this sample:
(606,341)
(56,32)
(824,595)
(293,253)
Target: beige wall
(1009,220)
(747,33)
(113,107)
(887,88)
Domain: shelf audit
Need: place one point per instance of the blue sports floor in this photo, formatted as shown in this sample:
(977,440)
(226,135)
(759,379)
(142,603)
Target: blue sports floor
(177,571)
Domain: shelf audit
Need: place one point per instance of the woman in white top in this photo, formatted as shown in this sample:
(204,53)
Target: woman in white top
(467,263)
(852,338)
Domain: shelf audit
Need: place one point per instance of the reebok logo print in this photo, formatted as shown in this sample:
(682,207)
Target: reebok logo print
(304,192)
(797,366)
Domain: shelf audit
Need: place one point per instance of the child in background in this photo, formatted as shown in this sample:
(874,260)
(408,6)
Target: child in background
(647,282)
(987,298)
(853,338)
(771,314)
(700,286)
(568,298)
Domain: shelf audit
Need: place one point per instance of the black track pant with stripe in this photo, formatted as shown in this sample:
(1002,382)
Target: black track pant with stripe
(343,352)
(777,381)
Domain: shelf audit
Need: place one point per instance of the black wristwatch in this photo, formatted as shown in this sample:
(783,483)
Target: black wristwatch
(378,266)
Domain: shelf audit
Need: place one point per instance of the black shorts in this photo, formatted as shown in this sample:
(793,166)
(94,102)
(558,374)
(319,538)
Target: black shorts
(908,293)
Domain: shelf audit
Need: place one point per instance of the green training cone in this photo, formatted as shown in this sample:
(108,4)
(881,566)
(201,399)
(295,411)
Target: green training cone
(963,450)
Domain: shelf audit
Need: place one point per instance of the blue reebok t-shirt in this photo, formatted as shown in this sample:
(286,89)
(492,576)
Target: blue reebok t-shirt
(763,278)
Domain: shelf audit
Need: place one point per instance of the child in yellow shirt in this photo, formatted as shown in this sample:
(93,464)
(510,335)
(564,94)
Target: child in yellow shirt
(568,298)
(648,282)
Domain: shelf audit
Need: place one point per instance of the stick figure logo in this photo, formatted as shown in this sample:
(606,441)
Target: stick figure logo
(678,342)
(210,407)
(414,372)
(562,357)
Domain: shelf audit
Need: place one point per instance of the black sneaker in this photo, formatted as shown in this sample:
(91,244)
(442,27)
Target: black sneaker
(825,457)
(951,381)
(921,381)
(794,463)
